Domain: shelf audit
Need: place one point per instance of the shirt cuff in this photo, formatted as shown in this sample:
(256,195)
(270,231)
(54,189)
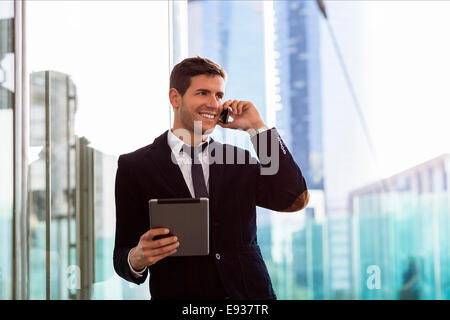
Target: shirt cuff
(137,274)
(262,129)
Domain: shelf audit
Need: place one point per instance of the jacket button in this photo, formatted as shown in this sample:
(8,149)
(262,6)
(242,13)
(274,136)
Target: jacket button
(217,256)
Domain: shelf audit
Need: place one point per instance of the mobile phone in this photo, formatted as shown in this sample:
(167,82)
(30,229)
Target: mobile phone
(224,115)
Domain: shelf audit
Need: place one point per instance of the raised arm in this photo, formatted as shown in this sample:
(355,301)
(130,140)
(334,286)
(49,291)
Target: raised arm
(280,182)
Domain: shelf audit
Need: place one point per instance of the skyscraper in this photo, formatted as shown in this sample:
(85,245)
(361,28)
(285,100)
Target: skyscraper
(299,119)
(230,33)
(298,63)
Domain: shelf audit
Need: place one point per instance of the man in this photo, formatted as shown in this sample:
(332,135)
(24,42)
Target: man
(234,268)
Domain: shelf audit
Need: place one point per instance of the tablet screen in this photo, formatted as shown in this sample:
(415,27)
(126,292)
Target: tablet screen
(186,218)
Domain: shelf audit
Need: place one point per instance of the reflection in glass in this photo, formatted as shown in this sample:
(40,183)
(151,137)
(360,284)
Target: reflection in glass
(108,285)
(404,231)
(71,202)
(37,206)
(51,183)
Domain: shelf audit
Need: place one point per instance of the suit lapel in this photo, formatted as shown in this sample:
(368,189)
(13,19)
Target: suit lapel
(215,177)
(161,157)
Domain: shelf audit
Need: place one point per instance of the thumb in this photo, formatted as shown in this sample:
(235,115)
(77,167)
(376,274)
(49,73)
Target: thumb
(231,125)
(228,125)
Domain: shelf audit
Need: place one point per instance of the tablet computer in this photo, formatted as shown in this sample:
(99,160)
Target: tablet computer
(186,218)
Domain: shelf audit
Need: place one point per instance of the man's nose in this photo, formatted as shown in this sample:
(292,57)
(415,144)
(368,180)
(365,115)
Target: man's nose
(215,103)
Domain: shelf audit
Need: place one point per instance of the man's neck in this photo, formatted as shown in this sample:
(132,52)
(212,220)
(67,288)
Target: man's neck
(188,136)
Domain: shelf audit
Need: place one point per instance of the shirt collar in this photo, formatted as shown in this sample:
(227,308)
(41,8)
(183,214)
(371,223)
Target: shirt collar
(176,143)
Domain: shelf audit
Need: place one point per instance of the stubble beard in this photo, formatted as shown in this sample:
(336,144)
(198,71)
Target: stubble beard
(192,125)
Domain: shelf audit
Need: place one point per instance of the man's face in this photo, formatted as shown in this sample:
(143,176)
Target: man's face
(202,101)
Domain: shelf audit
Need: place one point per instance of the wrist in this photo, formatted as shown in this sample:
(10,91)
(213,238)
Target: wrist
(260,129)
(258,125)
(134,262)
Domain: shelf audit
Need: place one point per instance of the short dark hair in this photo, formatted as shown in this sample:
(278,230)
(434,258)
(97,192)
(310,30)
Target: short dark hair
(181,75)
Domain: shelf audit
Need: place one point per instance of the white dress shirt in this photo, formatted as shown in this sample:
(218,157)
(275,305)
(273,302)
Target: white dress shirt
(185,163)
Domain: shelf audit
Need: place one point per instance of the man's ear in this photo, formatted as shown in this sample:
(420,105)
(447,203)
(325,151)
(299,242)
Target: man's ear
(174,97)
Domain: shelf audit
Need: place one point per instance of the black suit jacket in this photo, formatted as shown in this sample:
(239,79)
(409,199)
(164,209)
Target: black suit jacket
(235,263)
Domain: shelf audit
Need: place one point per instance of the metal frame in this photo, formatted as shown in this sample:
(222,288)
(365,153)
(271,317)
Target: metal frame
(85,217)
(170,35)
(26,142)
(69,182)
(21,129)
(72,164)
(48,193)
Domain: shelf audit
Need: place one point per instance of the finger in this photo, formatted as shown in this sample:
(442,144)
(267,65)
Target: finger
(162,242)
(234,105)
(156,259)
(149,235)
(226,104)
(224,125)
(163,250)
(240,106)
(229,125)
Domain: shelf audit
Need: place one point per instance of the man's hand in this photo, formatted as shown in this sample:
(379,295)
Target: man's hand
(245,115)
(149,251)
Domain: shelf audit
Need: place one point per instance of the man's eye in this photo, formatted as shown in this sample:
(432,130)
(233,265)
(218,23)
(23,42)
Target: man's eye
(202,93)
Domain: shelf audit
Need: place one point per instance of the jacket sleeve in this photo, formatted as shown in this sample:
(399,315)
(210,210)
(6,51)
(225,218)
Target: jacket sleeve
(130,214)
(280,185)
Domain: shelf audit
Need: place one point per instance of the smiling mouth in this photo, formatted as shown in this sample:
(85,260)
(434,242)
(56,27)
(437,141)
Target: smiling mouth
(208,116)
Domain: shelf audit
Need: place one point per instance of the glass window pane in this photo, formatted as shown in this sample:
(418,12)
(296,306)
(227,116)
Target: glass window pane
(360,102)
(37,205)
(109,85)
(6,141)
(61,123)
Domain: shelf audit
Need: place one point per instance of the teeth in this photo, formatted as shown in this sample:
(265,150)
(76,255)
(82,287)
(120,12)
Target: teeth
(207,115)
